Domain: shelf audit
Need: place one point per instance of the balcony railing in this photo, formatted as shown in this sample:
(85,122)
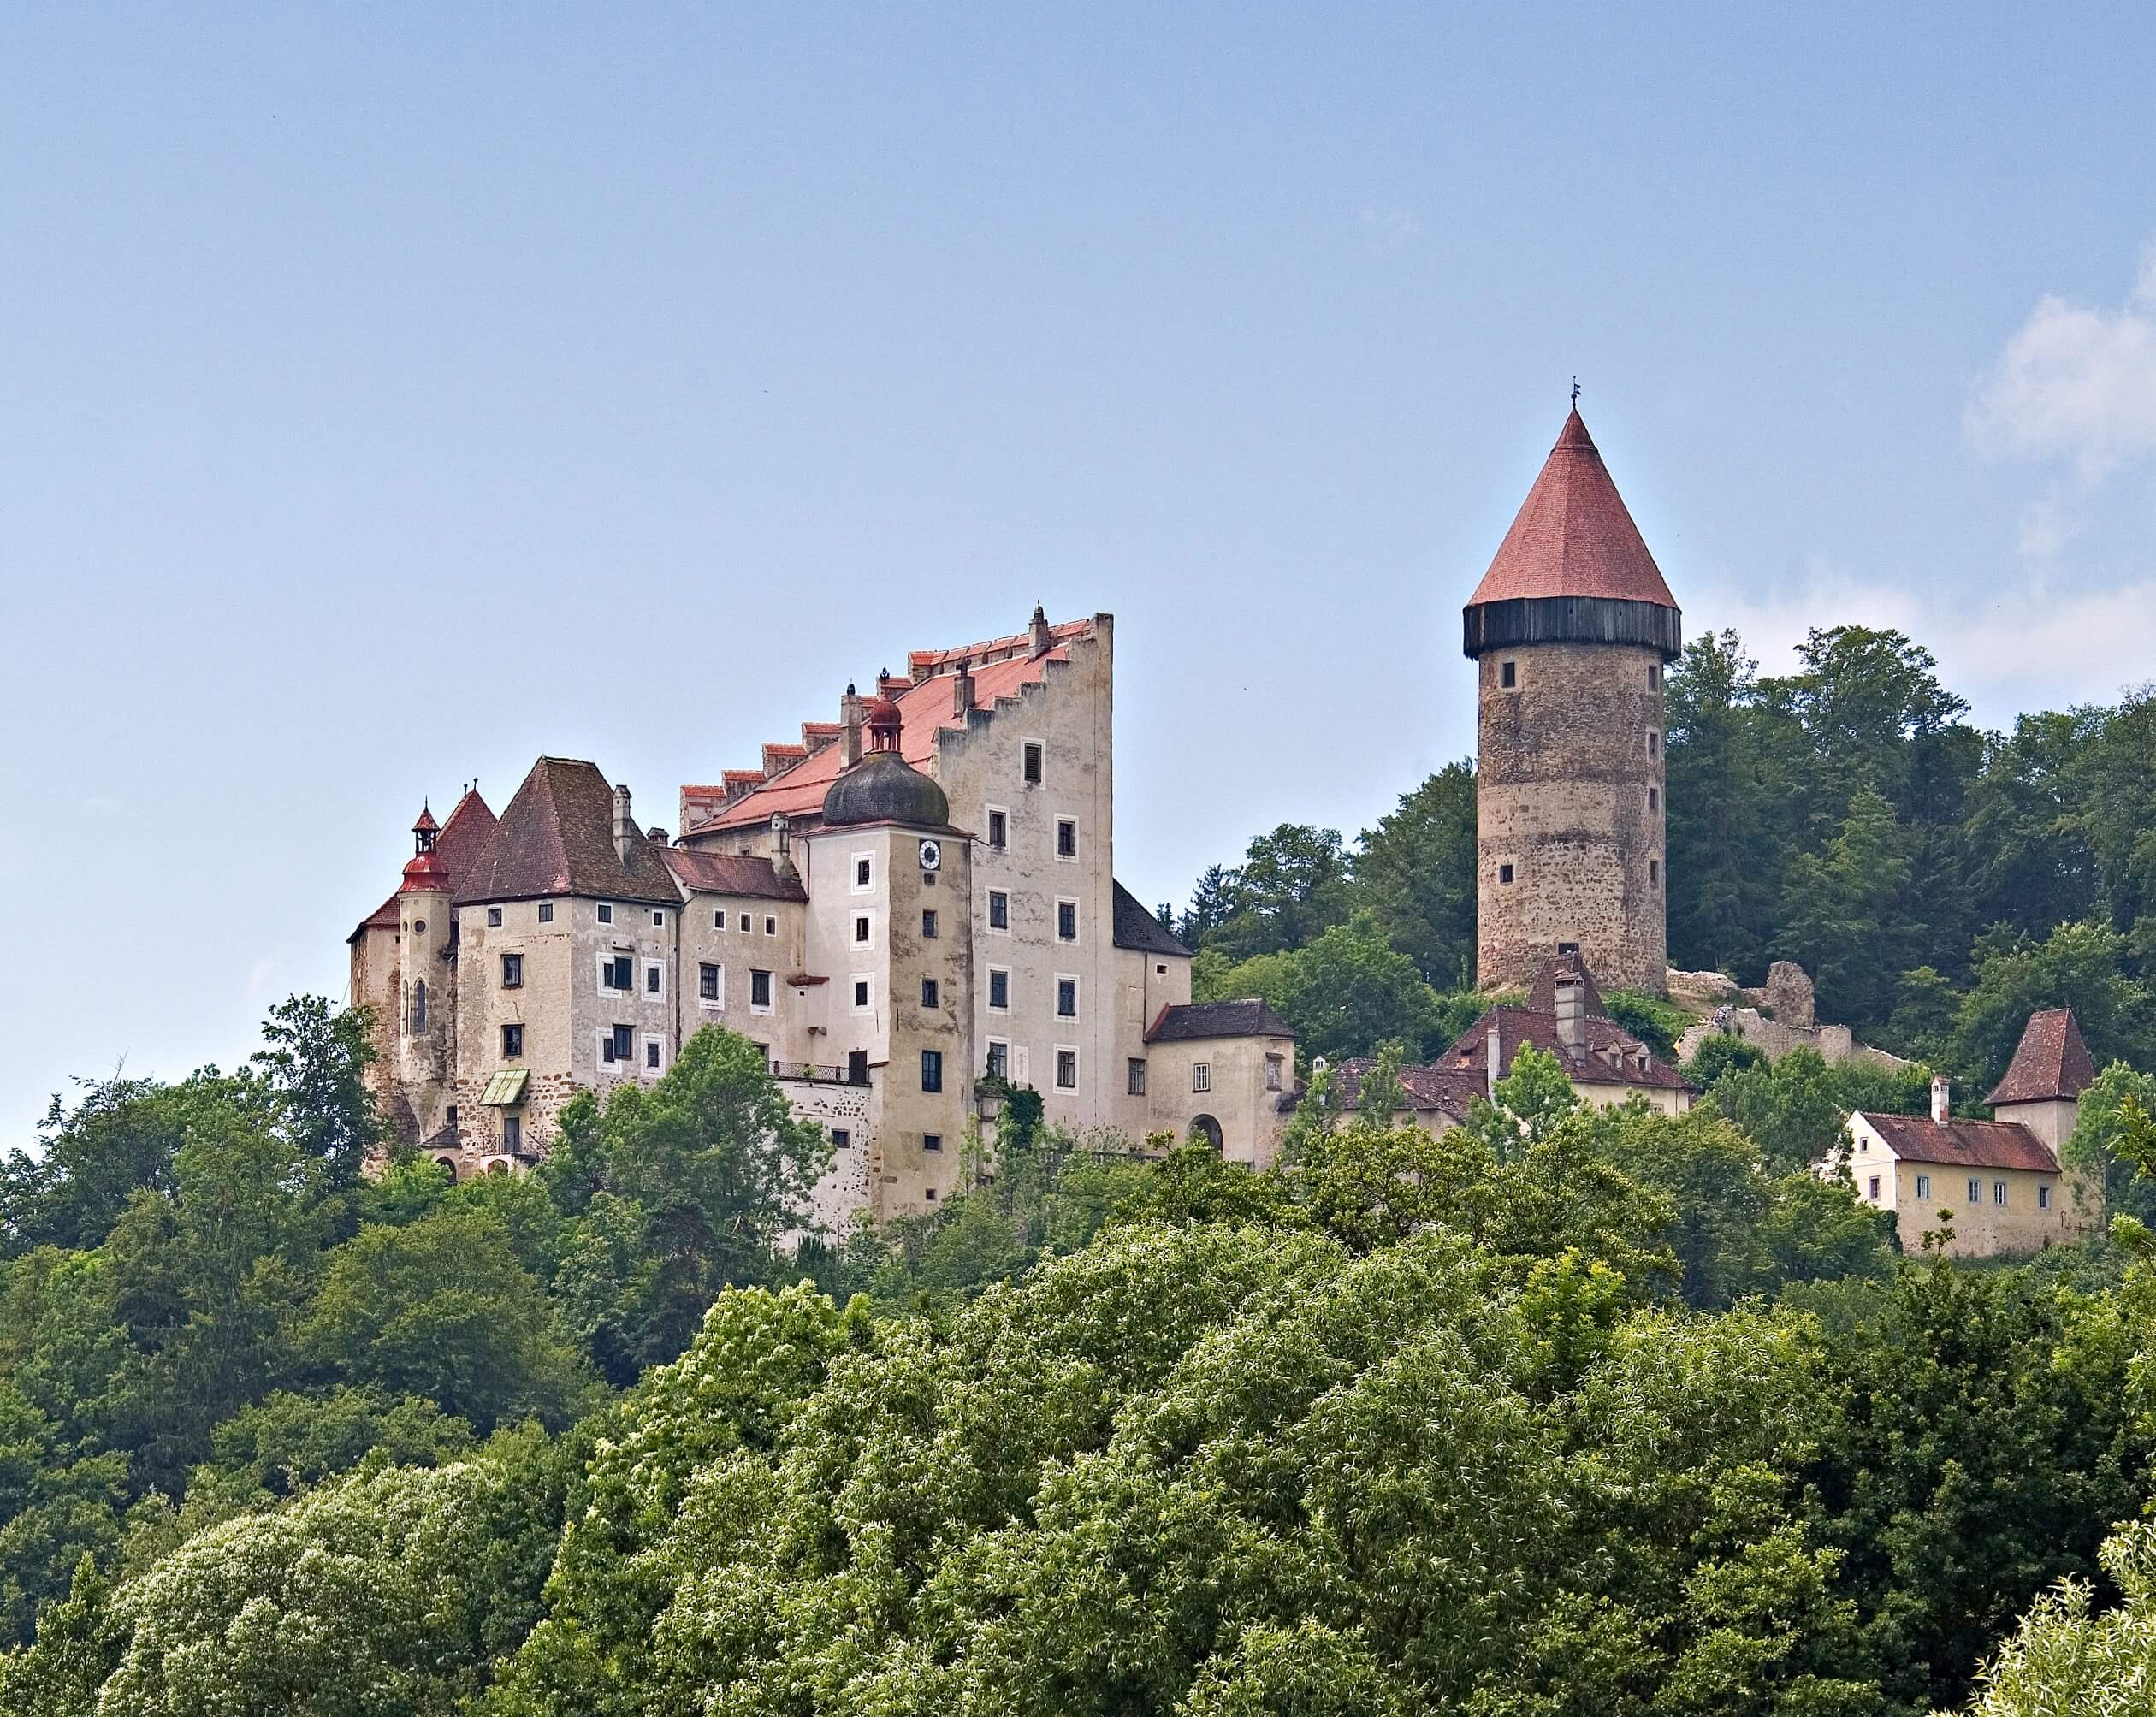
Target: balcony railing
(814,1074)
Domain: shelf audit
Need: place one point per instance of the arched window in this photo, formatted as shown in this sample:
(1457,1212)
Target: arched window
(450,1163)
(1206,1128)
(419,1009)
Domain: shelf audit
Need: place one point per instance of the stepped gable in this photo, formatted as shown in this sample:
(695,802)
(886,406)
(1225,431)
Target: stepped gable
(1964,1144)
(1573,536)
(462,839)
(999,667)
(2051,1062)
(735,874)
(1137,928)
(1193,1021)
(556,836)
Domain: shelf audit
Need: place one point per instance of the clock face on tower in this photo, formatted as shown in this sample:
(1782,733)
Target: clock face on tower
(931,856)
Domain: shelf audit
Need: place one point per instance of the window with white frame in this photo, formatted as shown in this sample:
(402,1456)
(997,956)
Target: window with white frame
(546,912)
(999,912)
(651,1055)
(658,919)
(863,993)
(1137,1069)
(1976,1192)
(1923,1185)
(1273,1072)
(1032,763)
(606,912)
(1998,1191)
(1067,839)
(999,1057)
(998,990)
(747,923)
(2043,1198)
(719,919)
(711,984)
(1201,1075)
(1066,1067)
(998,829)
(654,977)
(1066,920)
(864,930)
(864,865)
(1066,996)
(759,993)
(771,926)
(616,973)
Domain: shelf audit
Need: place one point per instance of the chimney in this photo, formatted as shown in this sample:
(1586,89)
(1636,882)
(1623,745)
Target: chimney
(626,833)
(1040,639)
(782,832)
(1572,1012)
(849,719)
(1942,1097)
(962,690)
(1495,1050)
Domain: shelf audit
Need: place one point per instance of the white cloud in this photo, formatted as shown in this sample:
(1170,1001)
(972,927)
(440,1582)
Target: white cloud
(2075,383)
(1392,227)
(2024,648)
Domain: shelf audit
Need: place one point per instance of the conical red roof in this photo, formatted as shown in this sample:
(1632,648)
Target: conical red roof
(1573,537)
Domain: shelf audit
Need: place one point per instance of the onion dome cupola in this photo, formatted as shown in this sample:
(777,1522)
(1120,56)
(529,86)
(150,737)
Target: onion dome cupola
(1573,568)
(883,787)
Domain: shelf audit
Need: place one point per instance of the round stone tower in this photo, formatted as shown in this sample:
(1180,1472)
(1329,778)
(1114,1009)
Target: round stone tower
(1569,630)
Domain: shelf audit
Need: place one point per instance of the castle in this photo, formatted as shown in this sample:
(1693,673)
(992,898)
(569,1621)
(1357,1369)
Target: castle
(909,909)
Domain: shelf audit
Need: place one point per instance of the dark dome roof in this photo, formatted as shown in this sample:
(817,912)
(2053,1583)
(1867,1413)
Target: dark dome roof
(884,787)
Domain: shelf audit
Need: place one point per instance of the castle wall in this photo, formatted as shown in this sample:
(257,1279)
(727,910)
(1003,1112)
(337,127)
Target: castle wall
(1570,796)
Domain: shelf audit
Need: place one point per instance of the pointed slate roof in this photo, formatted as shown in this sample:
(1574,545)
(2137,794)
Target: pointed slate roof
(556,836)
(2051,1063)
(458,845)
(1573,536)
(1135,928)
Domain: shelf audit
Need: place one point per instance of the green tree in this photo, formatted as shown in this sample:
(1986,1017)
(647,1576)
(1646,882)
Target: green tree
(1726,845)
(2077,966)
(2066,1655)
(1844,913)
(1416,872)
(1346,993)
(1291,885)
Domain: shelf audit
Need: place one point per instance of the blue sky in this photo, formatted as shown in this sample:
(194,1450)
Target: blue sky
(390,395)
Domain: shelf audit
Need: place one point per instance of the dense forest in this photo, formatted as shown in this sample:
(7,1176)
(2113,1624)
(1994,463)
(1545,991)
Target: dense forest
(1567,1411)
(1938,882)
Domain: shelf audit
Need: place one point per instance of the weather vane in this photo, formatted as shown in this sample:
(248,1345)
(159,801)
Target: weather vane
(1575,390)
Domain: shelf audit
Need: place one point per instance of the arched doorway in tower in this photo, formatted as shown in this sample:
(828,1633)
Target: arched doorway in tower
(1206,1129)
(450,1163)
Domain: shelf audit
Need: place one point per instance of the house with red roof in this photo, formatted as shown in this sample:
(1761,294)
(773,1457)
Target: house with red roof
(1992,1188)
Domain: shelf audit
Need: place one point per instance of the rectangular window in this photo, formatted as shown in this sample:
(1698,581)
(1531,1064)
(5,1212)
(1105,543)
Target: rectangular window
(1654,798)
(1998,1191)
(928,923)
(841,1137)
(864,870)
(931,993)
(1066,838)
(1654,677)
(512,1133)
(1923,1185)
(1032,763)
(706,982)
(771,926)
(998,1058)
(651,1052)
(546,912)
(999,910)
(1654,743)
(931,1069)
(1976,1192)
(1067,998)
(759,991)
(1066,1069)
(932,1141)
(512,1042)
(1272,1073)
(1201,1075)
(493,918)
(1653,870)
(719,919)
(998,829)
(658,919)
(651,981)
(1874,1185)
(2043,1198)
(450,1120)
(625,1044)
(999,989)
(861,994)
(744,924)
(605,913)
(1137,1077)
(1509,675)
(862,927)
(512,971)
(1504,873)
(614,974)
(1066,920)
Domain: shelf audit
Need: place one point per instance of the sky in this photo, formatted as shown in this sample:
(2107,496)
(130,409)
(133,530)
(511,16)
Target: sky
(389,395)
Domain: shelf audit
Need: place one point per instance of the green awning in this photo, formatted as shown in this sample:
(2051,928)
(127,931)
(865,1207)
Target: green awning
(506,1086)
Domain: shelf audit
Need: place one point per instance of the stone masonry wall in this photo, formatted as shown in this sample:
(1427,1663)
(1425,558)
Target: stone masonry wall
(1570,796)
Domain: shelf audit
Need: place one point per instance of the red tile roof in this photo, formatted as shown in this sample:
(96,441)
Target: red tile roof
(1967,1144)
(925,706)
(737,873)
(2050,1063)
(1610,1055)
(1573,536)
(461,840)
(1195,1021)
(556,836)
(1431,1087)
